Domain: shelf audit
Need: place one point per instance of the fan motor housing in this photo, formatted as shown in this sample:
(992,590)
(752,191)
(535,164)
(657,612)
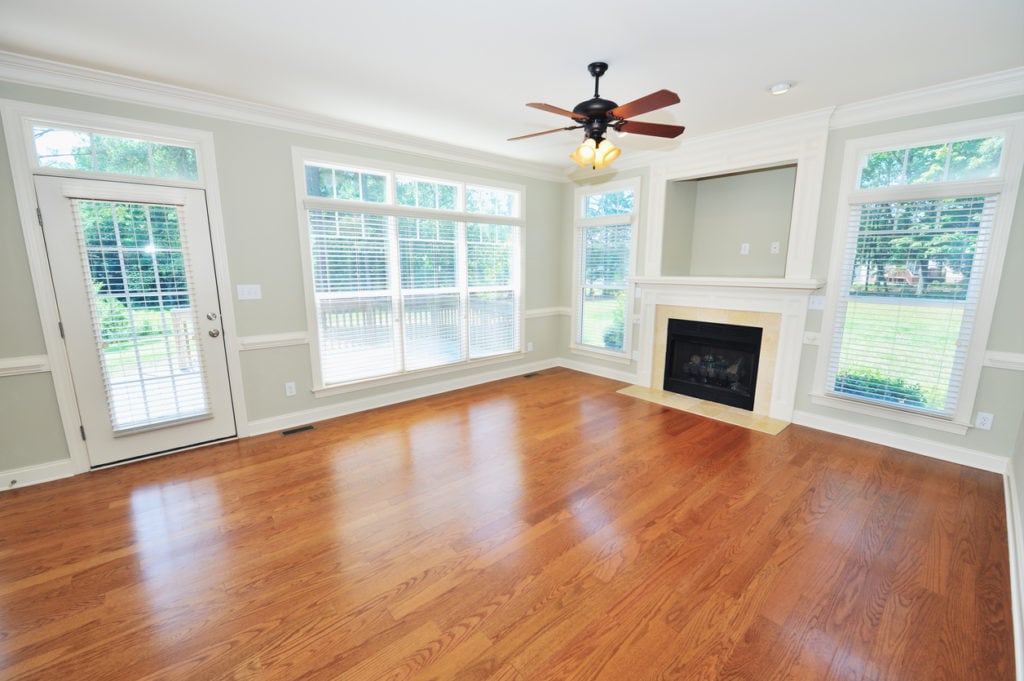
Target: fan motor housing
(594,108)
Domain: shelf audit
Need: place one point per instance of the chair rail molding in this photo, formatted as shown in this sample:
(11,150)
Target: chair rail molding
(26,364)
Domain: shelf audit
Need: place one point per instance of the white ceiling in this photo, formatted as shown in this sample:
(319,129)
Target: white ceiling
(460,71)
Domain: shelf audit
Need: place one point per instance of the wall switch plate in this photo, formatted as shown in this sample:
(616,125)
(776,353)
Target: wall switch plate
(775,248)
(250,292)
(983,420)
(289,389)
(529,347)
(816,302)
(744,249)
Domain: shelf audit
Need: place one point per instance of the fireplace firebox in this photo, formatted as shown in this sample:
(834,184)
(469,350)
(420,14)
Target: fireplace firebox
(715,362)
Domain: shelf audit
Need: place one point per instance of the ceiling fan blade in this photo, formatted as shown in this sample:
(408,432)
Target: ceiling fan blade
(554,109)
(655,100)
(653,129)
(546,132)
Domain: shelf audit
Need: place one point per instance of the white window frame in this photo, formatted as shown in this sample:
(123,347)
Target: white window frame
(579,224)
(116,127)
(18,119)
(302,156)
(1005,186)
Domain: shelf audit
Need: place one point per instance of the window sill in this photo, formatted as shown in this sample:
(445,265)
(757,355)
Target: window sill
(397,379)
(897,415)
(605,355)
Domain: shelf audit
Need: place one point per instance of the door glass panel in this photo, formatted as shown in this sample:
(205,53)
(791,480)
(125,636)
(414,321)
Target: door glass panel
(136,264)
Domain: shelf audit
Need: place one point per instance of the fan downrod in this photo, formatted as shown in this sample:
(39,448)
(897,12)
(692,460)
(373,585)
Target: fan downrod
(597,69)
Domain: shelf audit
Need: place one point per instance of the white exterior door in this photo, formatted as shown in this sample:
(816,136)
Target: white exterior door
(132,268)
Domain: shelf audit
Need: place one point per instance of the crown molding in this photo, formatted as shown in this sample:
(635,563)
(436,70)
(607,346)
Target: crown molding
(788,131)
(33,71)
(986,88)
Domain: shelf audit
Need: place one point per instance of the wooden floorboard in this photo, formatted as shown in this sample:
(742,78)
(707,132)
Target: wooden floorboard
(537,528)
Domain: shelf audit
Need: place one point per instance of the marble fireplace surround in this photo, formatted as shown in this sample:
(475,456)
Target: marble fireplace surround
(779,306)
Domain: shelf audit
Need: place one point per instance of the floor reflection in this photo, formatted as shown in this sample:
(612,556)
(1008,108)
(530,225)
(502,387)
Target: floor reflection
(181,551)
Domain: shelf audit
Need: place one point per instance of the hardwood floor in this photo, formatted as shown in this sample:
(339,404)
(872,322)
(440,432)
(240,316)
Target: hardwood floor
(533,529)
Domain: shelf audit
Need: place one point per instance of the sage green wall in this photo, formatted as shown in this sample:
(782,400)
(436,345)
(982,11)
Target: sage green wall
(1001,391)
(754,208)
(30,426)
(261,231)
(20,333)
(677,239)
(31,431)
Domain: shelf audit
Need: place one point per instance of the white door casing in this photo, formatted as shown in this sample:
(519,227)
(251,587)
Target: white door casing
(165,391)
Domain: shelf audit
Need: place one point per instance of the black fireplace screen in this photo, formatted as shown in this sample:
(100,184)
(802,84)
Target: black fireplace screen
(715,362)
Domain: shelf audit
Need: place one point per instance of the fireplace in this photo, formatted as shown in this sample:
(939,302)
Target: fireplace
(715,362)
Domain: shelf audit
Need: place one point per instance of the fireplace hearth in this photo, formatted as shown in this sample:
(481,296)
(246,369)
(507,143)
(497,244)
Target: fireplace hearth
(711,361)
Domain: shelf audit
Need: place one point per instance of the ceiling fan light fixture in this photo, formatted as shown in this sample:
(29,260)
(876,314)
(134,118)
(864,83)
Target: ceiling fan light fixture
(585,153)
(606,153)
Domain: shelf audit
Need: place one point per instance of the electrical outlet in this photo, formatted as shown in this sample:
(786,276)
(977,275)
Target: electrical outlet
(289,389)
(775,248)
(744,249)
(529,347)
(815,302)
(250,292)
(983,420)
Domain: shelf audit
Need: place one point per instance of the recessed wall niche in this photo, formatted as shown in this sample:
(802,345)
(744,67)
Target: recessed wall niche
(708,219)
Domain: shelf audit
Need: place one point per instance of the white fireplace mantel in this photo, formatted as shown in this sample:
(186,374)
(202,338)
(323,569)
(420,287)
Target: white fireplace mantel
(732,300)
(779,283)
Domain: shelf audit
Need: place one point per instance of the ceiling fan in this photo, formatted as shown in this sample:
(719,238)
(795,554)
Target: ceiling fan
(596,115)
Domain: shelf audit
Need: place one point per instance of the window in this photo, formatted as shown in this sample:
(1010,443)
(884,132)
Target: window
(408,272)
(915,245)
(98,152)
(605,223)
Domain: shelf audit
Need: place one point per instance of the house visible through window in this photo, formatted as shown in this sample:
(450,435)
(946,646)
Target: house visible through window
(407,272)
(919,226)
(605,223)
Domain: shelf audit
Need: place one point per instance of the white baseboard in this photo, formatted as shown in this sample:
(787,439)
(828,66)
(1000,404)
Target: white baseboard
(33,475)
(910,443)
(598,370)
(299,418)
(1015,542)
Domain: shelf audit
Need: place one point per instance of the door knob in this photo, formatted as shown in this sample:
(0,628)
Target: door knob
(214,333)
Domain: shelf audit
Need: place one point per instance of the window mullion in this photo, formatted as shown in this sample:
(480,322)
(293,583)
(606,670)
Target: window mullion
(462,282)
(395,290)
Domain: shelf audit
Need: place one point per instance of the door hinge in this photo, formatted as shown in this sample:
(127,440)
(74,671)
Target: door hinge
(39,216)
(81,429)
(60,327)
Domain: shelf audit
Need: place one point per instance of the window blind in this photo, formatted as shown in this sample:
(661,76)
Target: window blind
(603,268)
(493,303)
(911,284)
(399,293)
(135,261)
(355,305)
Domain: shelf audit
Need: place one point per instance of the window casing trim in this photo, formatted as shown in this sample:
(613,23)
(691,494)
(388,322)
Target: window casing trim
(304,155)
(116,127)
(579,224)
(301,157)
(1011,127)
